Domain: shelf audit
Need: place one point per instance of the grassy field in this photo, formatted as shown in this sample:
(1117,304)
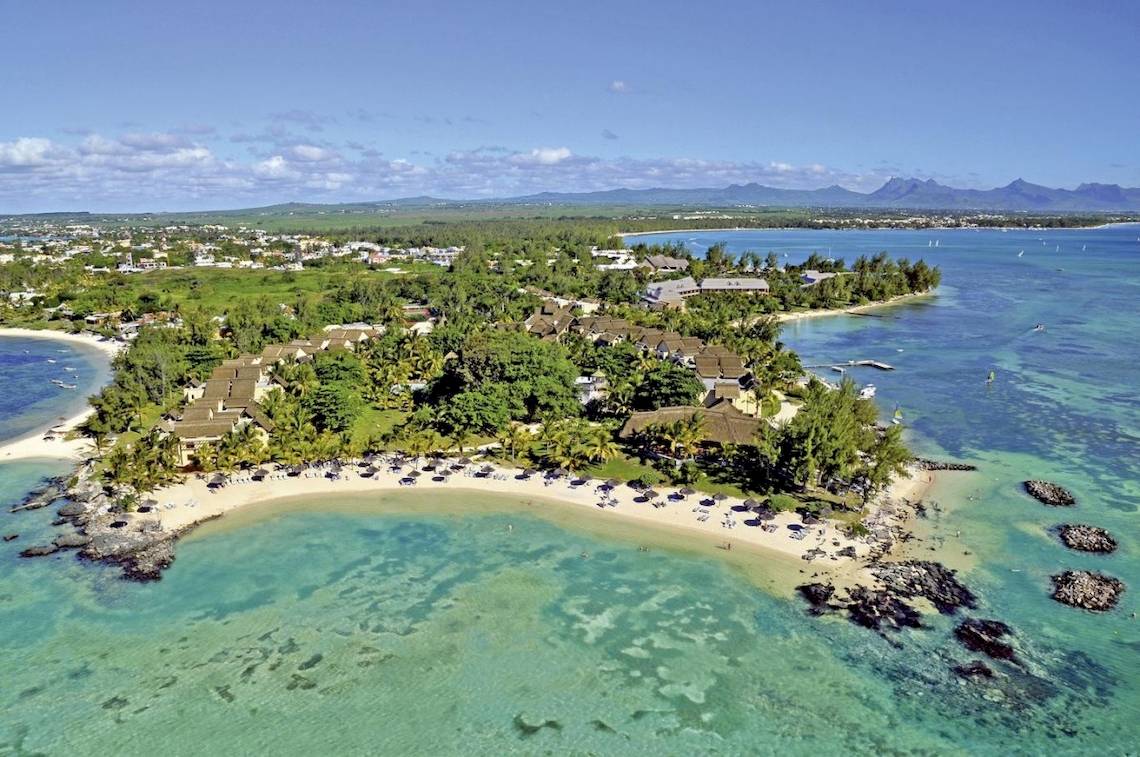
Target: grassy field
(374,421)
(215,288)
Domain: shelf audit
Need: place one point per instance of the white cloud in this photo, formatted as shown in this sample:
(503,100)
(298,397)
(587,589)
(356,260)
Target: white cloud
(618,87)
(28,153)
(152,171)
(547,156)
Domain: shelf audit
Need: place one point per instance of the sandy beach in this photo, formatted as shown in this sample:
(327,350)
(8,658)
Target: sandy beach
(854,309)
(193,501)
(53,442)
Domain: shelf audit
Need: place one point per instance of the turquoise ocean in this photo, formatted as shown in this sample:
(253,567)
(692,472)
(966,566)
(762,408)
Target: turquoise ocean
(421,625)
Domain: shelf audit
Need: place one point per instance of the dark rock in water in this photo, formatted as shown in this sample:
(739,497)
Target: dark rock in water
(818,596)
(526,728)
(922,578)
(1050,494)
(43,496)
(11,537)
(71,510)
(143,554)
(1086,538)
(40,550)
(973,670)
(1087,590)
(924,464)
(67,541)
(874,609)
(985,636)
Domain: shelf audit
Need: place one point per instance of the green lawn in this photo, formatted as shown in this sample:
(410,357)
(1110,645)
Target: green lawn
(374,421)
(216,288)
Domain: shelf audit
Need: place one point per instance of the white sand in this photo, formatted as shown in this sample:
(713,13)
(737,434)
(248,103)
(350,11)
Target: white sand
(53,442)
(192,501)
(821,312)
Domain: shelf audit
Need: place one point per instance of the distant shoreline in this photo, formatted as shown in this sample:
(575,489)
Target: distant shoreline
(624,234)
(33,445)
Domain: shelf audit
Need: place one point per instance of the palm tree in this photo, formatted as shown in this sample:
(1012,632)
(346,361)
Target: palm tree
(206,458)
(516,440)
(297,378)
(275,402)
(460,436)
(599,445)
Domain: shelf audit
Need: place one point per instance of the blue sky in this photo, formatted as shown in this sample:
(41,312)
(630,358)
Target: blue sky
(152,106)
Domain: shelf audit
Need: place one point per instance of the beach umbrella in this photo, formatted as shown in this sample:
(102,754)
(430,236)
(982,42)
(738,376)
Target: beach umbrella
(529,472)
(613,483)
(687,492)
(219,479)
(465,461)
(413,474)
(751,504)
(150,503)
(720,497)
(561,472)
(260,473)
(650,494)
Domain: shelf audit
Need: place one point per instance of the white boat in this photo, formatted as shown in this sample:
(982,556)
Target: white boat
(838,369)
(50,360)
(867,392)
(1021,253)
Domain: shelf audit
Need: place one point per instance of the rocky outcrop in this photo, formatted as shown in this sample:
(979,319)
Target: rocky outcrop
(42,496)
(40,550)
(818,596)
(973,670)
(143,550)
(71,541)
(1087,590)
(922,578)
(985,636)
(1086,538)
(924,464)
(876,609)
(11,537)
(1050,494)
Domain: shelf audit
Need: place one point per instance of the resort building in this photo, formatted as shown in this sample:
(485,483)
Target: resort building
(721,423)
(550,321)
(666,264)
(672,294)
(716,364)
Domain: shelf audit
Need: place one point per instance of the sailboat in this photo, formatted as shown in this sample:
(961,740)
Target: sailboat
(991,377)
(1084,247)
(897,419)
(1058,249)
(937,242)
(1021,253)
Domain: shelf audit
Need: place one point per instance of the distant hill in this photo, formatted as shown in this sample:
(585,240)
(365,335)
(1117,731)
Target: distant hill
(898,193)
(895,194)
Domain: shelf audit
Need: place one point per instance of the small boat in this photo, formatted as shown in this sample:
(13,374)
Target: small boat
(1021,253)
(867,392)
(838,369)
(1084,247)
(51,360)
(991,377)
(898,416)
(69,369)
(1039,327)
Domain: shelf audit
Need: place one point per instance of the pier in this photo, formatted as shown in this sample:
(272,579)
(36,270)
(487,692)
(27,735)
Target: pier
(878,364)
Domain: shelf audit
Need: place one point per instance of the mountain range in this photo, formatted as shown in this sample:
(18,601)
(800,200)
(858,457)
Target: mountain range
(899,193)
(895,194)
